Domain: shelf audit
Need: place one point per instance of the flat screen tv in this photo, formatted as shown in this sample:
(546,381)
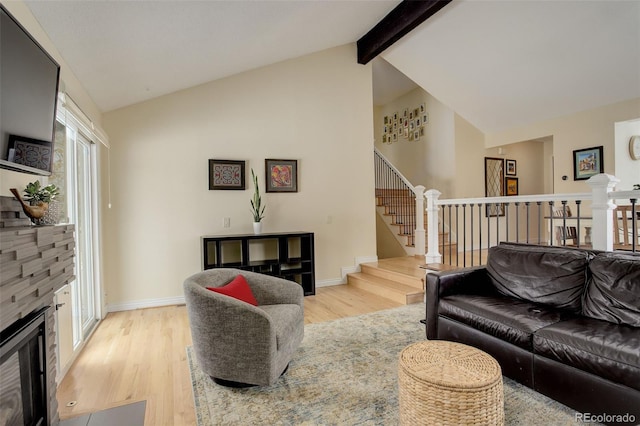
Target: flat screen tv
(28,92)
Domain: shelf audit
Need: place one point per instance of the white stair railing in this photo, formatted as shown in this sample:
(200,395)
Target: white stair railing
(540,213)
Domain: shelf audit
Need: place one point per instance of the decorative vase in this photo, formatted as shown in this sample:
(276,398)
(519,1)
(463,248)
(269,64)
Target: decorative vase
(51,216)
(257,228)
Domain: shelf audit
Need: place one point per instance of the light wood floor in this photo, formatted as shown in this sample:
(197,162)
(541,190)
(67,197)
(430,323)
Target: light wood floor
(140,355)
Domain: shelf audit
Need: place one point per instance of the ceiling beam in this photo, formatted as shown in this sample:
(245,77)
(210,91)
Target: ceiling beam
(405,17)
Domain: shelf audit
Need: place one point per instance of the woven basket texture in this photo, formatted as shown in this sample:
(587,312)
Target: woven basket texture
(448,383)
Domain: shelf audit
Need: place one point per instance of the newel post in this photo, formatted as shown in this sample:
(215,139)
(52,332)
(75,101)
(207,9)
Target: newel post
(602,210)
(433,255)
(419,233)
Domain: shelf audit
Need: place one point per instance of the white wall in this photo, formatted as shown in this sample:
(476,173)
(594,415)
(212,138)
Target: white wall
(626,169)
(316,109)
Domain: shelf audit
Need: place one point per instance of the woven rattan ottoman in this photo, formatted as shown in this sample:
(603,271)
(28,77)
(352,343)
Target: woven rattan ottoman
(448,383)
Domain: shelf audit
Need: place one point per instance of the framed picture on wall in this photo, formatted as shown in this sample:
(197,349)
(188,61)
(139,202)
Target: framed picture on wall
(494,184)
(281,175)
(226,174)
(511,186)
(587,162)
(510,168)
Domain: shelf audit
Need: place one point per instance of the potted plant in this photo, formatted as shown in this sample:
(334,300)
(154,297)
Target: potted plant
(44,196)
(257,209)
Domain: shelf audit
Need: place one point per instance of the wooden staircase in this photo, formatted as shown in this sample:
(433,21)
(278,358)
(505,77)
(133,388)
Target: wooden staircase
(399,279)
(399,205)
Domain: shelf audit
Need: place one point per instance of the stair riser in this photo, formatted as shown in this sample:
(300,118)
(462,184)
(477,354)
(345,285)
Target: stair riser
(372,288)
(390,275)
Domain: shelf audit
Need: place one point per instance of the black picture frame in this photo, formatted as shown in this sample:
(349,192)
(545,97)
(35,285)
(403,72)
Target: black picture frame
(587,162)
(281,175)
(227,175)
(30,152)
(510,168)
(494,184)
(511,186)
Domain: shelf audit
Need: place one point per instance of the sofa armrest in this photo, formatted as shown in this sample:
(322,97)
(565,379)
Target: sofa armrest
(461,281)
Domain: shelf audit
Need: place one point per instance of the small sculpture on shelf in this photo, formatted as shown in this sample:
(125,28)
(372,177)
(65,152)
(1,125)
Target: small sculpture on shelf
(39,199)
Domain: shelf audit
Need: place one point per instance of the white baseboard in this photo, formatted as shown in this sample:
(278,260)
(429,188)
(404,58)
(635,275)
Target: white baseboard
(179,300)
(330,282)
(147,303)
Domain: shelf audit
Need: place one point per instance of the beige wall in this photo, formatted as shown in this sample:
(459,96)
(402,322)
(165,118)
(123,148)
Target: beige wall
(431,160)
(68,83)
(577,131)
(316,109)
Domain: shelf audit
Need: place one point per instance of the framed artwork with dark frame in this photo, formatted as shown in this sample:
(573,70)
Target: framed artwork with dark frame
(494,184)
(226,174)
(30,152)
(511,186)
(510,168)
(587,162)
(281,175)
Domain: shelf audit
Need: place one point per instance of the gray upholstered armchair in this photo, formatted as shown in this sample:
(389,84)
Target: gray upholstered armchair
(239,344)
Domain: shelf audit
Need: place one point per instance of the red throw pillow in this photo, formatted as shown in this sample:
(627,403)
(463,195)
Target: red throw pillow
(238,289)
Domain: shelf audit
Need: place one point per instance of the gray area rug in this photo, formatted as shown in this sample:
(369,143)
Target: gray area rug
(345,373)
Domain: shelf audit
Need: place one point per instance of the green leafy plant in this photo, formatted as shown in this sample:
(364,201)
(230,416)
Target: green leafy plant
(257,209)
(36,193)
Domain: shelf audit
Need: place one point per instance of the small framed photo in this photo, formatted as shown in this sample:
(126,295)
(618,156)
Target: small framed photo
(587,162)
(384,138)
(422,109)
(30,152)
(281,175)
(425,118)
(510,169)
(226,174)
(511,185)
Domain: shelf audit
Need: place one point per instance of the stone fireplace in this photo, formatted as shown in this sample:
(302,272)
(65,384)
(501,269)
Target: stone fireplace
(35,262)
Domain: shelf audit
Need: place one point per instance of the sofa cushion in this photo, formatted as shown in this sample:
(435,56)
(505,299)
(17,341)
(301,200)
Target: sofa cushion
(554,276)
(608,350)
(613,291)
(509,319)
(239,289)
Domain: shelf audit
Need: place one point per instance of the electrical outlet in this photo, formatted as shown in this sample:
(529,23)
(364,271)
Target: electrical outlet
(227,222)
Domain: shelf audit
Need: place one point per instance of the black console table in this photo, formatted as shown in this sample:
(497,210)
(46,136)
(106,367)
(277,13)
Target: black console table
(287,255)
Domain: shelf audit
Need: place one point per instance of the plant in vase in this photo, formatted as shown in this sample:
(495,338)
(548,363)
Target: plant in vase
(42,208)
(257,209)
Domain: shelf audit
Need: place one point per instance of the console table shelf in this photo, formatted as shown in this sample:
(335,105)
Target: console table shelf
(287,255)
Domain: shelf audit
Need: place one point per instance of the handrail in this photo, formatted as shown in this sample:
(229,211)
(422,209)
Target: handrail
(493,218)
(394,169)
(516,198)
(391,183)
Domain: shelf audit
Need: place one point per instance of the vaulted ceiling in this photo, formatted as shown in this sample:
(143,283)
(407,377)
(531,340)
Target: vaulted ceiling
(497,63)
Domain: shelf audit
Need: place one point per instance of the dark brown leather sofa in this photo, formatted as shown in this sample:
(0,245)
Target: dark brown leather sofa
(565,322)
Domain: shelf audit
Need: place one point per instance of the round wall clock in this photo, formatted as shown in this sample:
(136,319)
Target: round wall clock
(634,147)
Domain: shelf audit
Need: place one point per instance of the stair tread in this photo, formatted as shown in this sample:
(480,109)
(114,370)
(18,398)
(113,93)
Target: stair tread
(402,273)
